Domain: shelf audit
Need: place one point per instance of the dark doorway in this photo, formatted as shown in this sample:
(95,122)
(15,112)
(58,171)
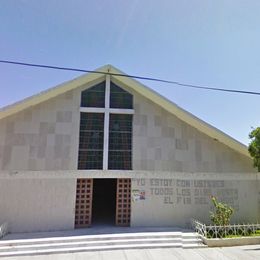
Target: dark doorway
(104,201)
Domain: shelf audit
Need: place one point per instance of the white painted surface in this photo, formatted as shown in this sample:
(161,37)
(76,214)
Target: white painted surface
(173,201)
(37,204)
(32,201)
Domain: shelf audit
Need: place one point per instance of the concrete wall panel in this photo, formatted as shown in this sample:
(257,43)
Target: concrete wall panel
(43,137)
(182,147)
(42,201)
(174,201)
(37,204)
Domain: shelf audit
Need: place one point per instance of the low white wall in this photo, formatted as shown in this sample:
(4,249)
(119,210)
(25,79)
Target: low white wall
(221,242)
(173,201)
(37,204)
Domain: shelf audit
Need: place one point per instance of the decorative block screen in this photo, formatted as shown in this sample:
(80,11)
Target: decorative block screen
(83,210)
(123,202)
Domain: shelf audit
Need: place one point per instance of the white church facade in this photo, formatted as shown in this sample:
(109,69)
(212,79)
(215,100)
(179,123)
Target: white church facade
(106,149)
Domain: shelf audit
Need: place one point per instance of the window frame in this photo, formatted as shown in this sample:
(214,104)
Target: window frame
(107,111)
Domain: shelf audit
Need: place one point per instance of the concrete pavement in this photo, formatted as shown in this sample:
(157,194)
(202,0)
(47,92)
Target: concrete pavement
(227,253)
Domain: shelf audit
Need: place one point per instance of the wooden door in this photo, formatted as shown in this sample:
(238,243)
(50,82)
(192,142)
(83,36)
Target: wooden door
(123,202)
(83,210)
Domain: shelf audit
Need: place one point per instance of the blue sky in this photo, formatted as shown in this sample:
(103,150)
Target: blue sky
(213,43)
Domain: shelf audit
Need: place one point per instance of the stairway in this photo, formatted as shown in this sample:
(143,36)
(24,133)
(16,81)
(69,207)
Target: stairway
(66,244)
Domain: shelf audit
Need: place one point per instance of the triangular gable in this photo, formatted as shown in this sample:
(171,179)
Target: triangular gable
(139,88)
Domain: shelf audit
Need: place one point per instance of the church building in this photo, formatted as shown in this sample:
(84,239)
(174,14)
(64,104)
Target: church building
(105,149)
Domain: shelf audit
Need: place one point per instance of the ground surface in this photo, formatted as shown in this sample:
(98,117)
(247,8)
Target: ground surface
(241,252)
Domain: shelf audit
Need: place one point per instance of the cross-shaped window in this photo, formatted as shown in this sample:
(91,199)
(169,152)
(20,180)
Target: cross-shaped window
(106,127)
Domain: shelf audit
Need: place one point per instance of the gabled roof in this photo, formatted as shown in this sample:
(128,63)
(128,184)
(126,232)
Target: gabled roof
(139,88)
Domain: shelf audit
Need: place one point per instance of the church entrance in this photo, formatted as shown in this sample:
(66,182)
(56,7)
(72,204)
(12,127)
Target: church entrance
(103,202)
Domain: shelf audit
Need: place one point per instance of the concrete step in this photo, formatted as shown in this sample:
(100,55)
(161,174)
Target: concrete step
(194,245)
(190,236)
(89,248)
(91,238)
(192,241)
(98,242)
(91,243)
